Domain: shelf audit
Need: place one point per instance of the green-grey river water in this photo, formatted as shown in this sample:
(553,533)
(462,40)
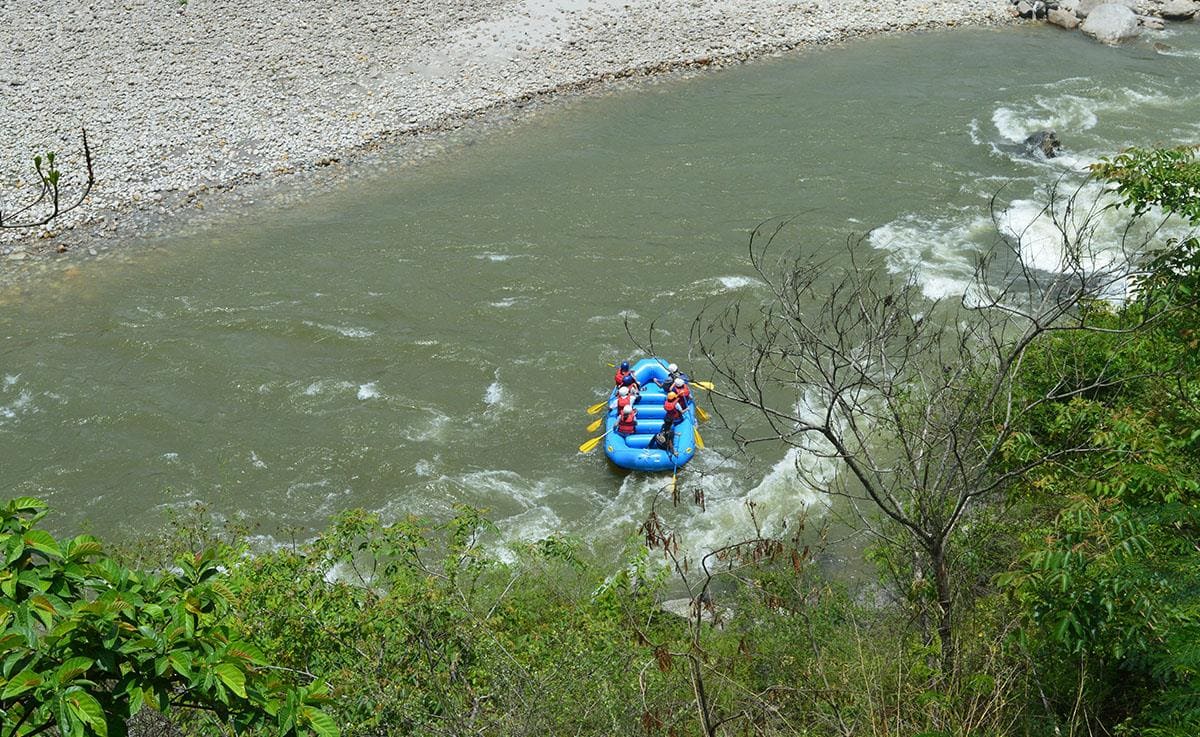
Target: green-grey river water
(433,336)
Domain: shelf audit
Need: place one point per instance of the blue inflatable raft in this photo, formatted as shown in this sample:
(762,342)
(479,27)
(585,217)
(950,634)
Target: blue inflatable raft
(633,451)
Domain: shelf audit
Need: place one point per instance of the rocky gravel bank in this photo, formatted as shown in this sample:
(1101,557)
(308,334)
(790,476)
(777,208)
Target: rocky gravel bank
(181,98)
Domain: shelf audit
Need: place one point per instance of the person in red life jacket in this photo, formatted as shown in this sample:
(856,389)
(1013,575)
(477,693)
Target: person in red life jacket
(622,371)
(622,401)
(683,392)
(635,389)
(627,424)
(674,414)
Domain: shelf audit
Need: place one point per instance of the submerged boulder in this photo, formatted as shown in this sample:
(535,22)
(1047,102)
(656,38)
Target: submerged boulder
(1111,23)
(1045,142)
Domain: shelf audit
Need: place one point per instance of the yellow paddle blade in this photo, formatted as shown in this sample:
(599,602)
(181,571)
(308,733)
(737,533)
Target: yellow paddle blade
(597,407)
(596,425)
(590,445)
(674,479)
(704,385)
(699,440)
(704,416)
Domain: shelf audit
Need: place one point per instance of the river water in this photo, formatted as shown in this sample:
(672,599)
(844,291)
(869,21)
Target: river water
(431,337)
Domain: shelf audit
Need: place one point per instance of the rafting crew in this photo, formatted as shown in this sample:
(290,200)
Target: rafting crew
(627,422)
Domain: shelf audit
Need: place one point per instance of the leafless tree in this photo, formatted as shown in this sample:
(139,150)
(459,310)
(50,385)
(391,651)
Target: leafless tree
(732,564)
(48,203)
(914,399)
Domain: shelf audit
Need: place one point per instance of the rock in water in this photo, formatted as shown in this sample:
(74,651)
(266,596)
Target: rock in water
(1046,142)
(1111,23)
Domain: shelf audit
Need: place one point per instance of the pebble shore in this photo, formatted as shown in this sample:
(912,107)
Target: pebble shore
(183,98)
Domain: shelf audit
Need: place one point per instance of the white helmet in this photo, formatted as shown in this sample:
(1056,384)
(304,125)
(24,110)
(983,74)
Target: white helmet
(623,391)
(672,368)
(628,410)
(679,381)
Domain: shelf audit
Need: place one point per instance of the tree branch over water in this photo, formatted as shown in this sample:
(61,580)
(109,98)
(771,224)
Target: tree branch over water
(915,400)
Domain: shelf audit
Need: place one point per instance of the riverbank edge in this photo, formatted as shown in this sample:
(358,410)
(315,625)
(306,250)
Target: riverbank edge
(206,205)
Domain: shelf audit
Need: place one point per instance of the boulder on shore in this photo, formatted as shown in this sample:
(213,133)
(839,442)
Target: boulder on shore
(1111,23)
(1064,18)
(1179,9)
(1044,141)
(1084,8)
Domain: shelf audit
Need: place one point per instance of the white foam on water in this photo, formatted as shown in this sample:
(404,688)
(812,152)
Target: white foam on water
(1066,112)
(170,457)
(775,503)
(1179,53)
(11,379)
(725,284)
(502,303)
(433,428)
(1043,242)
(368,391)
(22,405)
(256,461)
(619,317)
(1071,112)
(425,341)
(305,489)
(324,385)
(503,484)
(348,332)
(495,394)
(496,257)
(535,523)
(938,253)
(425,467)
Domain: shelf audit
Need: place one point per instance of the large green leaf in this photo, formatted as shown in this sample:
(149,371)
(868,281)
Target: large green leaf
(233,677)
(43,542)
(72,669)
(26,504)
(320,722)
(85,707)
(247,651)
(20,683)
(83,547)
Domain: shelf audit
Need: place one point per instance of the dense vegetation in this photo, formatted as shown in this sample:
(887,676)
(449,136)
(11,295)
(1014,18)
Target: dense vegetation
(1077,592)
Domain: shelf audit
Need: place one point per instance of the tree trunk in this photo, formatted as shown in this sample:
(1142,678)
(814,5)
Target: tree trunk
(941,581)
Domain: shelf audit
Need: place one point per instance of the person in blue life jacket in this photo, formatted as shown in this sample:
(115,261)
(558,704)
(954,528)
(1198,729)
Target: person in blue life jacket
(635,389)
(622,371)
